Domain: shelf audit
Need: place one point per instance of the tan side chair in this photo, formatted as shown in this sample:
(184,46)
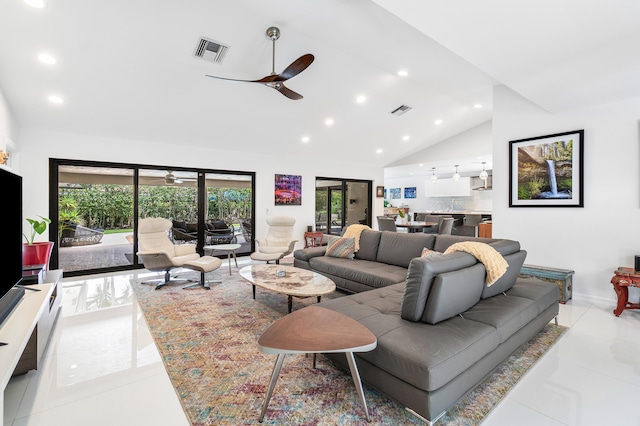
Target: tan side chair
(279,241)
(158,253)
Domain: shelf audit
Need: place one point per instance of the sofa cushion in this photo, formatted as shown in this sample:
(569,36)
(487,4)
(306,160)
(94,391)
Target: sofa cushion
(398,248)
(443,241)
(422,272)
(369,242)
(505,247)
(373,274)
(505,282)
(219,224)
(180,224)
(453,293)
(308,253)
(507,314)
(426,356)
(342,247)
(494,263)
(426,252)
(544,293)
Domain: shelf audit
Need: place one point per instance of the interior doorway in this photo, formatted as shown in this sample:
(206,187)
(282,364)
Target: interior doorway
(342,202)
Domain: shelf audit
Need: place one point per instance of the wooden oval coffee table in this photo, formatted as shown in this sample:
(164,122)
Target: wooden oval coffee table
(296,282)
(315,329)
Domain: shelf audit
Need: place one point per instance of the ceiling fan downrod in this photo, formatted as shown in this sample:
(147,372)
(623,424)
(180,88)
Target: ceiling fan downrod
(273,33)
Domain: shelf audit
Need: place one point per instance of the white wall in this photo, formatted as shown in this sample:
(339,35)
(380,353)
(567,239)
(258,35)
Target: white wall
(37,146)
(8,126)
(474,142)
(476,201)
(594,240)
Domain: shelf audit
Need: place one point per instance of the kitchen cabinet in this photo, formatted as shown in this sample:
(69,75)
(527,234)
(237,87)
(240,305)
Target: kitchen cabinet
(449,188)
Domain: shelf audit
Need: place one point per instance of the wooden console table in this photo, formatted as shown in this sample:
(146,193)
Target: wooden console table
(624,278)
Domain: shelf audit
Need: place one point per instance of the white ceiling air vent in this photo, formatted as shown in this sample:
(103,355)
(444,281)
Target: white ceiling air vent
(400,110)
(210,50)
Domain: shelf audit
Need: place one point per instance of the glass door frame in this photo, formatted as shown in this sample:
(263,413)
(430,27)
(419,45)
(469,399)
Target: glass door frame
(56,163)
(343,184)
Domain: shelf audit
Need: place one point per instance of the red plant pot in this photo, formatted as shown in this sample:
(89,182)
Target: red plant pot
(37,254)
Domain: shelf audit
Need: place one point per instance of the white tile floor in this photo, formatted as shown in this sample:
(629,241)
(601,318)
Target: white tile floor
(102,368)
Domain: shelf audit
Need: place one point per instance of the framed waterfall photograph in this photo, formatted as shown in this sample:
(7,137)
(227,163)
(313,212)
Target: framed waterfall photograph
(547,171)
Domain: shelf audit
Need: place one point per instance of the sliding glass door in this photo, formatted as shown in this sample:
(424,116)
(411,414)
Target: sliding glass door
(340,203)
(97,206)
(95,211)
(229,211)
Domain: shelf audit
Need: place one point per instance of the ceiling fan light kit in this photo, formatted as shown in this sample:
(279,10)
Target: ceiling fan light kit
(274,80)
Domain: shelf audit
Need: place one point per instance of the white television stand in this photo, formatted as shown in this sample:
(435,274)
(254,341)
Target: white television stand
(26,331)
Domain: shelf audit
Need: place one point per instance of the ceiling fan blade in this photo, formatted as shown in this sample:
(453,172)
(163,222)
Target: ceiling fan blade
(287,92)
(266,79)
(296,67)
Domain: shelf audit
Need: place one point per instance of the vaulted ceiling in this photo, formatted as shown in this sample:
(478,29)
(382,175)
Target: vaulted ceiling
(127,69)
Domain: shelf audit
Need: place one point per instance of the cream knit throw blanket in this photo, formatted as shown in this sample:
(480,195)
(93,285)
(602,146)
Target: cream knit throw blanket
(493,261)
(354,231)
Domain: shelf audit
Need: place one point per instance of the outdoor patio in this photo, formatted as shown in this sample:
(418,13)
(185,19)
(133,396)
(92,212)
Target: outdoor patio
(114,250)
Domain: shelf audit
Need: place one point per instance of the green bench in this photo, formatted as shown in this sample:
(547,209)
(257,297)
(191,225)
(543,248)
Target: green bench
(562,277)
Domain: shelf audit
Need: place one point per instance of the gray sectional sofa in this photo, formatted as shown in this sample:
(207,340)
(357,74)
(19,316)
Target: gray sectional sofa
(440,328)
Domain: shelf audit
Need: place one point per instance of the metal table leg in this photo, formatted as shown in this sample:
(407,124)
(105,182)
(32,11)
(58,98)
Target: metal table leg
(272,384)
(356,381)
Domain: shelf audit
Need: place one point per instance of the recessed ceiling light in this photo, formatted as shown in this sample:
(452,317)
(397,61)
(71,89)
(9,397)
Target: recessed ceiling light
(305,139)
(328,122)
(477,106)
(403,73)
(47,59)
(438,122)
(55,99)
(406,138)
(378,151)
(39,4)
(361,98)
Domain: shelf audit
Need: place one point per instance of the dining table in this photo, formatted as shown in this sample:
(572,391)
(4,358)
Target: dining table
(413,227)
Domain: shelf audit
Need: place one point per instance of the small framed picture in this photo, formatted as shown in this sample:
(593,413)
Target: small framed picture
(410,192)
(547,171)
(379,191)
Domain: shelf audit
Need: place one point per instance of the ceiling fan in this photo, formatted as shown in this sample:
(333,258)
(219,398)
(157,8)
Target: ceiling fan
(274,80)
(171,179)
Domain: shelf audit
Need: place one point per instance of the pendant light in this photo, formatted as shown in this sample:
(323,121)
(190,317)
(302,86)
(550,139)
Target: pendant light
(483,174)
(434,178)
(456,175)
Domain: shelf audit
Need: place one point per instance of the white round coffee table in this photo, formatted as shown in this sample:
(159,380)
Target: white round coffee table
(229,248)
(288,280)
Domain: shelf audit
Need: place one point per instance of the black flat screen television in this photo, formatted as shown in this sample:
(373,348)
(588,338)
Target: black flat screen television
(11,218)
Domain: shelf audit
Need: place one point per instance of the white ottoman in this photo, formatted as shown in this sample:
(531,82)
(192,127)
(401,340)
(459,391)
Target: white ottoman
(267,257)
(204,264)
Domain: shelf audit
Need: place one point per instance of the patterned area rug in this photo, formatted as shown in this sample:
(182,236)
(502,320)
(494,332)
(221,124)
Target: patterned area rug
(207,339)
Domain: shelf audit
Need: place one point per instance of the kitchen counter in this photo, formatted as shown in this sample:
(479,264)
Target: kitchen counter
(459,212)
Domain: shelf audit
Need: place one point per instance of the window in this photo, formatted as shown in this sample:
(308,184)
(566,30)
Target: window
(342,202)
(97,206)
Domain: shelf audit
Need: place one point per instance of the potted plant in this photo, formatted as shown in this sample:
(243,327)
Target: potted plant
(37,253)
(403,219)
